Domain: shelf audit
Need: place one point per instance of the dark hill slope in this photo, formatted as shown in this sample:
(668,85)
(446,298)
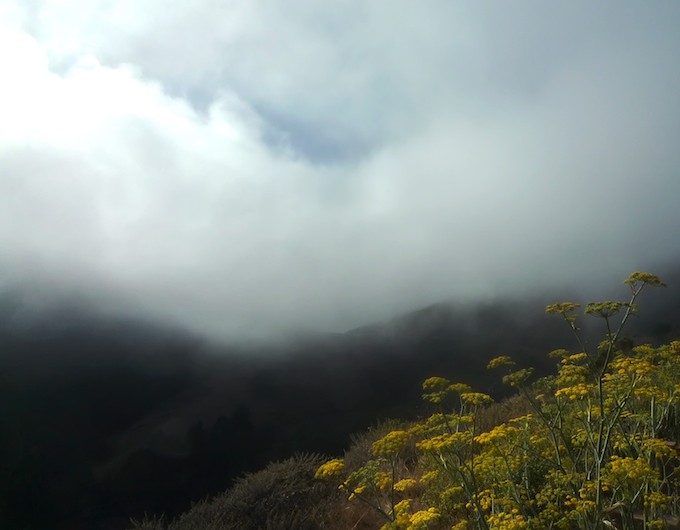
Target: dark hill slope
(106,418)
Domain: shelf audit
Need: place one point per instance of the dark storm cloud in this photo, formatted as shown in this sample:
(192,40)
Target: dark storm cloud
(242,167)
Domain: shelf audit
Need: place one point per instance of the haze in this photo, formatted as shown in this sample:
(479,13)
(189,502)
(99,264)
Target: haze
(246,168)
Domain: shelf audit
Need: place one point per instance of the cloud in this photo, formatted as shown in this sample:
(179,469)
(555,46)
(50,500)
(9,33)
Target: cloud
(243,168)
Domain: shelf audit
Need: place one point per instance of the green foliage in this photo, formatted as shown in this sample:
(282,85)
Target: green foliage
(596,450)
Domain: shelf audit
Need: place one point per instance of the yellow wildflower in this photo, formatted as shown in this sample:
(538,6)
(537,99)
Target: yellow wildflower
(421,519)
(391,444)
(476,398)
(659,448)
(507,521)
(503,360)
(497,433)
(331,469)
(562,308)
(444,442)
(460,388)
(429,477)
(644,277)
(436,383)
(383,480)
(405,484)
(574,392)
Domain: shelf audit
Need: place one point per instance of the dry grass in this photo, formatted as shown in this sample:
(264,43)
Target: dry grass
(282,496)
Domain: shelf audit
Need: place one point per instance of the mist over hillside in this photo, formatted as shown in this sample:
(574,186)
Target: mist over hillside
(108,418)
(323,167)
(234,230)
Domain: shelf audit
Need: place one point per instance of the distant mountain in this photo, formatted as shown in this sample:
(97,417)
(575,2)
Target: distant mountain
(107,418)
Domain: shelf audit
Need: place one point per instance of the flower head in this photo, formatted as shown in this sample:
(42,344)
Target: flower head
(391,444)
(331,469)
(503,360)
(476,398)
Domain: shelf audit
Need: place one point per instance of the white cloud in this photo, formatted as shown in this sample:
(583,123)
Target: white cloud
(245,167)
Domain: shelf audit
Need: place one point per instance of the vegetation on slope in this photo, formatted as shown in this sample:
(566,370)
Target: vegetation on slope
(593,446)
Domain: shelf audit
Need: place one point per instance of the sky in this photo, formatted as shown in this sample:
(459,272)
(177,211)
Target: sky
(247,167)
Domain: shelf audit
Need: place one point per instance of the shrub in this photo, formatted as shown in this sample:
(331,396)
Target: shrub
(281,496)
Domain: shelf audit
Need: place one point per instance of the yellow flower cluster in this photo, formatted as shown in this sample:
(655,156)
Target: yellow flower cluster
(522,419)
(644,277)
(562,308)
(518,378)
(503,360)
(429,477)
(623,443)
(572,374)
(550,498)
(382,480)
(453,498)
(436,397)
(436,383)
(507,521)
(658,500)
(652,392)
(579,437)
(357,491)
(579,391)
(405,484)
(659,448)
(604,309)
(439,423)
(466,419)
(621,470)
(484,498)
(445,442)
(476,398)
(584,501)
(558,354)
(437,420)
(402,506)
(391,444)
(631,366)
(402,517)
(498,433)
(422,519)
(644,350)
(438,388)
(331,469)
(580,505)
(460,388)
(495,464)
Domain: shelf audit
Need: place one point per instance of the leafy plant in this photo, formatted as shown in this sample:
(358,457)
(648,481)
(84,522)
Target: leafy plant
(595,450)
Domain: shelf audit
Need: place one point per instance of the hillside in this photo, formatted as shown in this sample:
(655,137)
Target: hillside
(113,418)
(591,446)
